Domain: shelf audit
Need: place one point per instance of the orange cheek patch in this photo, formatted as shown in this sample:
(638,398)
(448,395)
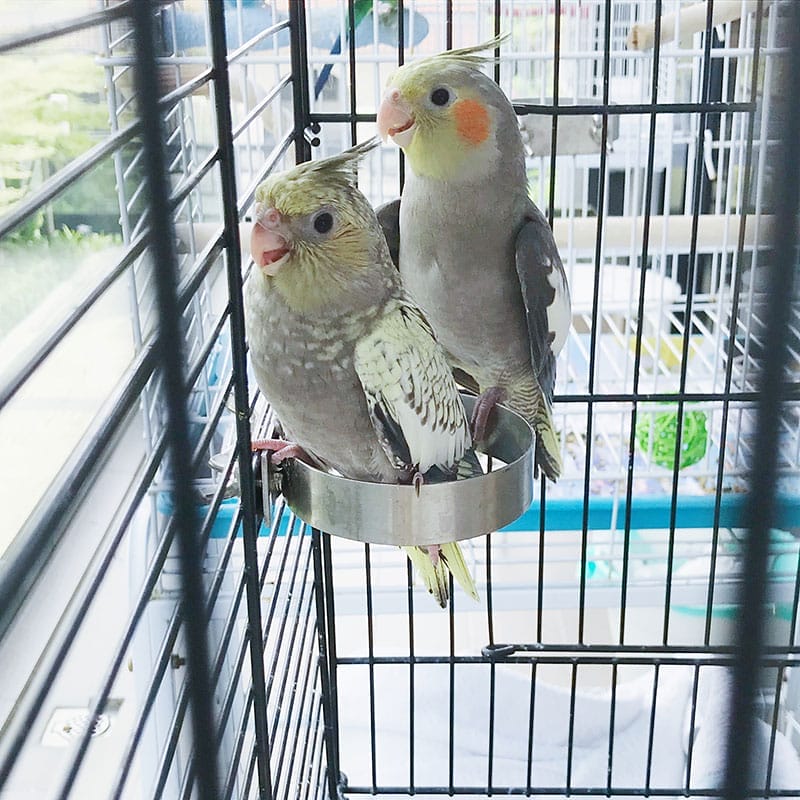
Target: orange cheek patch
(472,121)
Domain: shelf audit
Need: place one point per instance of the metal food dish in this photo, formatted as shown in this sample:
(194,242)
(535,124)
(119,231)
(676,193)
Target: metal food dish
(386,513)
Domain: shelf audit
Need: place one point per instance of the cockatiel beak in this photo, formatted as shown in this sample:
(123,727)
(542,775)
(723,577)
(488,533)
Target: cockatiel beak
(395,119)
(269,244)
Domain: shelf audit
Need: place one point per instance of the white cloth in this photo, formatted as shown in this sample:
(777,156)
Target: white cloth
(512,690)
(711,728)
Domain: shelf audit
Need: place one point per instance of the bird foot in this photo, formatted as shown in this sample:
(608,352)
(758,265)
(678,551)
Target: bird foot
(280,449)
(484,406)
(417,481)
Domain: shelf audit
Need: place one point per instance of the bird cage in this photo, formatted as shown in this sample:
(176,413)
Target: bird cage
(169,628)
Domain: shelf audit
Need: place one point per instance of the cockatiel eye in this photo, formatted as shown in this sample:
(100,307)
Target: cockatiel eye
(323,222)
(440,96)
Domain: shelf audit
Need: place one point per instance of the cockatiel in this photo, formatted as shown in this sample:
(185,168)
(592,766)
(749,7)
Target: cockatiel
(474,250)
(349,363)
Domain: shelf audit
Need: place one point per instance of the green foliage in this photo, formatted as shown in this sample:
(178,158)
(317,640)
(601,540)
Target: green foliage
(55,106)
(53,111)
(30,230)
(31,268)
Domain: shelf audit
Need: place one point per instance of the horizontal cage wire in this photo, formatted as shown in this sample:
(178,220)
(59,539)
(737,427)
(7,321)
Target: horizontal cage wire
(598,658)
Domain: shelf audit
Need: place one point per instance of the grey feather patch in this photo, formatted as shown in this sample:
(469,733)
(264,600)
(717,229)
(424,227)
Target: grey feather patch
(536,258)
(391,435)
(389,217)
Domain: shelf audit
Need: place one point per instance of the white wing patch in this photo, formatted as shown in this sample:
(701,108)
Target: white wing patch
(411,394)
(559,312)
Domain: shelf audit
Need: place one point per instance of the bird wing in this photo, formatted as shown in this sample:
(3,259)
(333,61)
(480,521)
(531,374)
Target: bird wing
(389,217)
(412,398)
(546,296)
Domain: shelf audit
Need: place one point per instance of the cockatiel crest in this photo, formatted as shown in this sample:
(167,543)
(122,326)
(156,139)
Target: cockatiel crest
(442,110)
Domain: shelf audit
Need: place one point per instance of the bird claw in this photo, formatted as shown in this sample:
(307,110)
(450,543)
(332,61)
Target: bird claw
(417,482)
(484,406)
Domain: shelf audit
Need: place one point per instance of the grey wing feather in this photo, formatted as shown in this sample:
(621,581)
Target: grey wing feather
(389,431)
(389,217)
(545,294)
(466,380)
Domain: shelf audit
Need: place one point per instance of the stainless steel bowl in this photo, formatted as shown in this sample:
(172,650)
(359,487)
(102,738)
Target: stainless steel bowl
(386,513)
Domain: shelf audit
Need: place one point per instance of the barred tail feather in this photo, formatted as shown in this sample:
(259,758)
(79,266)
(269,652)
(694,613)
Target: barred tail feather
(469,466)
(548,445)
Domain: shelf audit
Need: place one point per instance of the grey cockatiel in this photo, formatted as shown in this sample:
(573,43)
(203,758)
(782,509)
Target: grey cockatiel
(474,251)
(348,362)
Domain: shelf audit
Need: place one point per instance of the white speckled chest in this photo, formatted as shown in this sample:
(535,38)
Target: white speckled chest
(304,367)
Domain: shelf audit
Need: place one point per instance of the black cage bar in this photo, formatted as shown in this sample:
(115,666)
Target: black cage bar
(162,636)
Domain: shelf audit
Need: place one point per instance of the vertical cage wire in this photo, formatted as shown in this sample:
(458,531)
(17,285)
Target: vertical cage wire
(177,423)
(781,272)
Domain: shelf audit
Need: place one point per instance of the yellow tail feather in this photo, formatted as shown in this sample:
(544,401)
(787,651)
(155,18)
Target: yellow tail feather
(454,559)
(436,578)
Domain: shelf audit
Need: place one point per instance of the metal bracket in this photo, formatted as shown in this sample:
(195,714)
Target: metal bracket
(311,132)
(494,652)
(219,463)
(269,477)
(578,134)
